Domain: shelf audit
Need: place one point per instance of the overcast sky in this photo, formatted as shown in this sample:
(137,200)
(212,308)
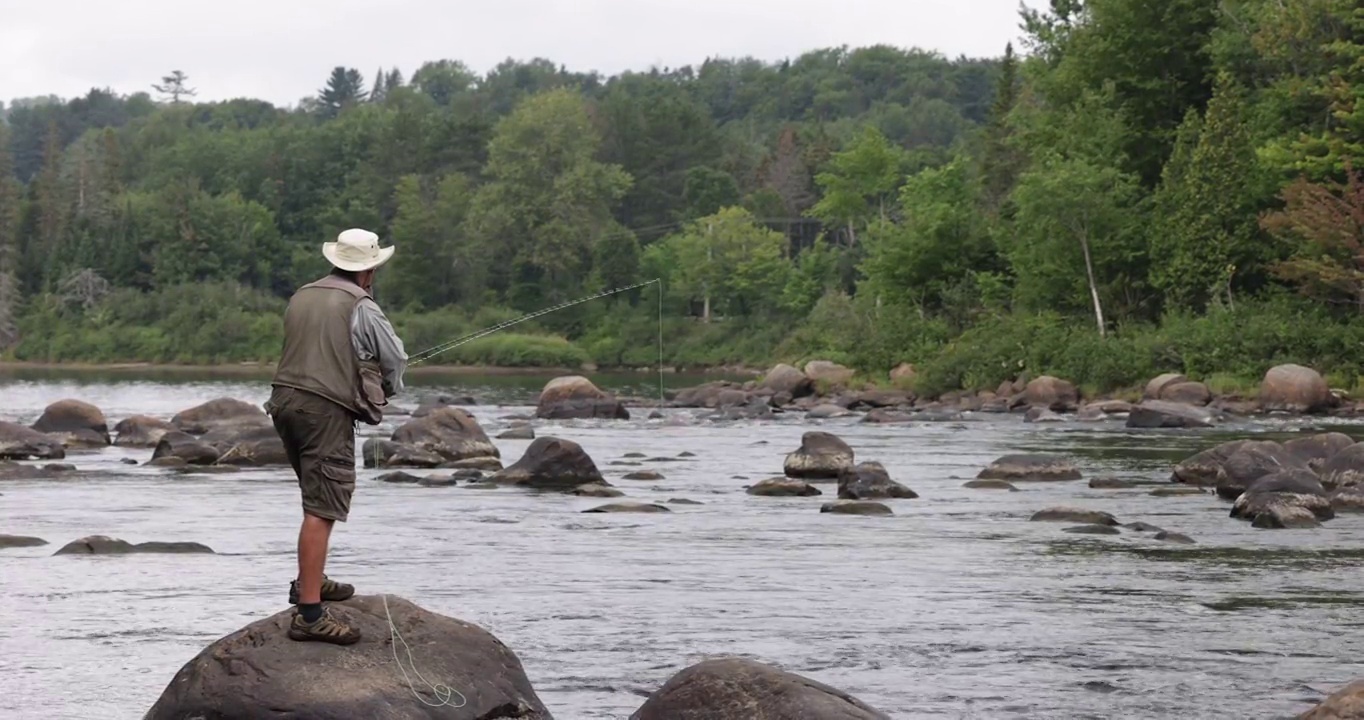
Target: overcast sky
(283,50)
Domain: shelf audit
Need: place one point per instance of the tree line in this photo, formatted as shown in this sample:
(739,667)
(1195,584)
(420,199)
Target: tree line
(1136,188)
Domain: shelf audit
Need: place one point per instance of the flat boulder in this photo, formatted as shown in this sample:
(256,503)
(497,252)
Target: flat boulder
(1250,462)
(870,481)
(1074,515)
(258,672)
(820,455)
(551,463)
(856,507)
(1293,389)
(185,447)
(743,689)
(380,453)
(783,487)
(1015,468)
(1052,393)
(23,443)
(14,541)
(448,432)
(575,397)
(76,422)
(23,471)
(825,411)
(140,431)
(786,378)
(104,545)
(595,490)
(1283,516)
(1174,537)
(828,373)
(220,411)
(628,507)
(1166,414)
(1293,487)
(520,432)
(990,485)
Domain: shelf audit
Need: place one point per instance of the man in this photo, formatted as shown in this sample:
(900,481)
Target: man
(341,363)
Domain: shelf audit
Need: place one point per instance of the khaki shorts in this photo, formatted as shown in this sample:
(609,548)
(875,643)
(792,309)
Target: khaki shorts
(319,438)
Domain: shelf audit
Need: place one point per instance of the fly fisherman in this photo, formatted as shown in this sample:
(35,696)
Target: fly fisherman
(341,363)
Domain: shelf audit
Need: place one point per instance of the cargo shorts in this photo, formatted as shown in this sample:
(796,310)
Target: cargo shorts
(319,439)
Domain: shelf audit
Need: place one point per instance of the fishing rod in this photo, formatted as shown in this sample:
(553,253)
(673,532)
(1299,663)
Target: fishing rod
(431,352)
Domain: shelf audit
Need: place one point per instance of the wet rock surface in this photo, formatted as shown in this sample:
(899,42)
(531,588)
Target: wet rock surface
(743,689)
(821,455)
(1030,468)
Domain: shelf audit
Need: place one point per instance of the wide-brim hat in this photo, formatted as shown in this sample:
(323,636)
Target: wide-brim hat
(356,250)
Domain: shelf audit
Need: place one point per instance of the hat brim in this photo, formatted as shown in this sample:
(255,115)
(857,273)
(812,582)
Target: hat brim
(329,252)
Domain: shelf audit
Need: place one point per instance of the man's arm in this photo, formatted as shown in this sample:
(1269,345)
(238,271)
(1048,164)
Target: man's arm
(373,337)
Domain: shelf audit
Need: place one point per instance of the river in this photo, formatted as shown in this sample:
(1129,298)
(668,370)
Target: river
(955,607)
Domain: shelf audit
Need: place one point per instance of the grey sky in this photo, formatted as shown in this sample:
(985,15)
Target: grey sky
(282,50)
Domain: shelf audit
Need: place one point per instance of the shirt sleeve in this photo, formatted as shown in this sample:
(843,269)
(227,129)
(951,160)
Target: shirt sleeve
(373,337)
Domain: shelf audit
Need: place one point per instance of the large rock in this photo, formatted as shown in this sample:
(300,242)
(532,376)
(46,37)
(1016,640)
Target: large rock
(258,672)
(828,373)
(1030,467)
(821,455)
(140,431)
(1159,383)
(870,481)
(1347,703)
(742,689)
(1345,468)
(215,413)
(551,463)
(1317,450)
(708,395)
(74,421)
(787,379)
(1293,487)
(1294,389)
(1203,467)
(1189,393)
(1166,414)
(176,444)
(255,447)
(449,432)
(380,453)
(784,487)
(23,443)
(575,396)
(1074,515)
(105,545)
(1049,392)
(1250,462)
(855,507)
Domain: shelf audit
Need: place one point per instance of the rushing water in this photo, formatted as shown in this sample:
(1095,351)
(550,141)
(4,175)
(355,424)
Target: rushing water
(955,607)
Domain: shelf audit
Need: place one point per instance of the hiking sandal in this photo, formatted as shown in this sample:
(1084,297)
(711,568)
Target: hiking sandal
(327,629)
(332,591)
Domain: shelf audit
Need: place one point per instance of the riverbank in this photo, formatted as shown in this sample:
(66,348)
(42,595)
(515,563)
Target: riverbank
(247,368)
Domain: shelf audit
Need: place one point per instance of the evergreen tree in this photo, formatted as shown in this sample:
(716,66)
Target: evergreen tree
(9,243)
(345,88)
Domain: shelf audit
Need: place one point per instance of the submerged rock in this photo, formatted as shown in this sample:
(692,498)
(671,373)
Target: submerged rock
(870,481)
(628,507)
(551,463)
(258,672)
(1074,515)
(1092,529)
(595,490)
(1110,483)
(22,443)
(821,455)
(176,445)
(1165,414)
(643,475)
(990,485)
(574,396)
(1039,414)
(14,541)
(784,487)
(140,431)
(1017,468)
(742,689)
(1178,491)
(856,507)
(21,471)
(1174,537)
(104,545)
(75,422)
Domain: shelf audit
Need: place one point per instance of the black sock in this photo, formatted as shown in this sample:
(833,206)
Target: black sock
(311,612)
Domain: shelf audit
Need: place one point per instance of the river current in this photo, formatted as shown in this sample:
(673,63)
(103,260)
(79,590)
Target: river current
(955,607)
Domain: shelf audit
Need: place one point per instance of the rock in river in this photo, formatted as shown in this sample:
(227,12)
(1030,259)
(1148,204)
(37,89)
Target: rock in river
(1344,469)
(1347,703)
(870,481)
(186,447)
(1074,515)
(216,413)
(104,545)
(257,447)
(258,672)
(784,487)
(990,485)
(1316,450)
(449,432)
(856,507)
(1203,467)
(75,422)
(1052,393)
(140,431)
(13,541)
(1250,462)
(1295,389)
(742,689)
(551,463)
(1280,495)
(1030,467)
(575,396)
(821,455)
(628,507)
(1165,414)
(787,379)
(21,443)
(595,490)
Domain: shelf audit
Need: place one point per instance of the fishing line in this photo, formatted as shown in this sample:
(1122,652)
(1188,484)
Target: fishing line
(431,352)
(442,692)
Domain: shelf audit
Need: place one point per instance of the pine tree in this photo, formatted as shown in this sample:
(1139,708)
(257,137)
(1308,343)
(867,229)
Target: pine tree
(1001,164)
(174,85)
(345,87)
(379,93)
(9,229)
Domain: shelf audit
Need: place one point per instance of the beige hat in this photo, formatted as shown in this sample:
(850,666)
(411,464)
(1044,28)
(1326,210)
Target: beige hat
(356,250)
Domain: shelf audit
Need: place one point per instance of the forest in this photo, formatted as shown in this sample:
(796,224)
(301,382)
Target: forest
(1133,188)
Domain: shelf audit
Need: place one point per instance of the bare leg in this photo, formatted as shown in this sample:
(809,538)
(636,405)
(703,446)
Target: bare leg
(312,557)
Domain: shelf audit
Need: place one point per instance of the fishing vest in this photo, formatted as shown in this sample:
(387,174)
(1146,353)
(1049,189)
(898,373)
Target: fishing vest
(319,355)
